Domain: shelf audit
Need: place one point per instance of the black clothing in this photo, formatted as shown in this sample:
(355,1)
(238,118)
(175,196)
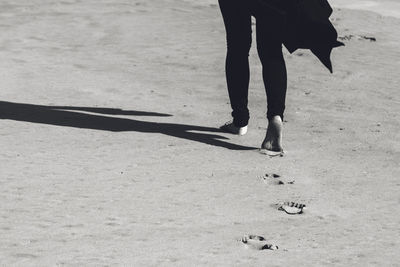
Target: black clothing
(305,24)
(237,19)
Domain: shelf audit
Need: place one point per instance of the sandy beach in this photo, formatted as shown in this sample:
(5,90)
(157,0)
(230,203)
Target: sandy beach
(382,7)
(111,154)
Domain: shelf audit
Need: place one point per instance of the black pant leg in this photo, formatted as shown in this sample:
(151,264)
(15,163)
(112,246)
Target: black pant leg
(237,20)
(269,47)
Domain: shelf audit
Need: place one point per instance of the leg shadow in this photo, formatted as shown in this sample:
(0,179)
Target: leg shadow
(73,117)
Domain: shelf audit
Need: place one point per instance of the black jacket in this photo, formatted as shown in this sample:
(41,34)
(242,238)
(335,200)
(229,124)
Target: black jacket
(305,24)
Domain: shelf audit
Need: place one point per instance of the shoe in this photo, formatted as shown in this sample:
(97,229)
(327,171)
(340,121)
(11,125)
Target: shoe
(231,128)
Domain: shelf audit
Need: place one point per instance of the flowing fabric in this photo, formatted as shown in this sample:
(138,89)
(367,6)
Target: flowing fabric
(305,24)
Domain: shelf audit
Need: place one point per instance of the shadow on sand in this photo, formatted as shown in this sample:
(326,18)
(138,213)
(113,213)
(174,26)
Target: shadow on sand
(74,117)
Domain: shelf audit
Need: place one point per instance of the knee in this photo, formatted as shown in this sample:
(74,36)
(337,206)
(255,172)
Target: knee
(270,51)
(239,46)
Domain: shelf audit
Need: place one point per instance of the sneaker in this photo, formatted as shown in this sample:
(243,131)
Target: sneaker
(231,128)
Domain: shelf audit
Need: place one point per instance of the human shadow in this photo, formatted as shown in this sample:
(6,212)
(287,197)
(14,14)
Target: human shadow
(74,117)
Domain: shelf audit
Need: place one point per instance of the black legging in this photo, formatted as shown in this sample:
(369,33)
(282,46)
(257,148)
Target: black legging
(237,18)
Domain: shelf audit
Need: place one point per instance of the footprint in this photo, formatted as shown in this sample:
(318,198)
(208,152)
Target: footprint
(273,178)
(257,242)
(271,153)
(292,208)
(300,54)
(358,37)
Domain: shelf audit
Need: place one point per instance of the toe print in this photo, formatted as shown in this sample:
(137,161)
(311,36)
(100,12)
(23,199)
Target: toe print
(275,179)
(292,208)
(257,242)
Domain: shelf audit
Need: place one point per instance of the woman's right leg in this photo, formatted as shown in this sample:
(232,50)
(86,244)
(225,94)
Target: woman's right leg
(269,46)
(237,20)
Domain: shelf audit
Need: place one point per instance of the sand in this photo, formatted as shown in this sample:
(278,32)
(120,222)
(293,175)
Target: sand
(110,153)
(383,7)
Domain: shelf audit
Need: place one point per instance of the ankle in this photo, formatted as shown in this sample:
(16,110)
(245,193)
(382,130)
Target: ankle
(275,119)
(242,130)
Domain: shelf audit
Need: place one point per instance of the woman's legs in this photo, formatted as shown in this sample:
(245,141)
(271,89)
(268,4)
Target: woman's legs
(237,20)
